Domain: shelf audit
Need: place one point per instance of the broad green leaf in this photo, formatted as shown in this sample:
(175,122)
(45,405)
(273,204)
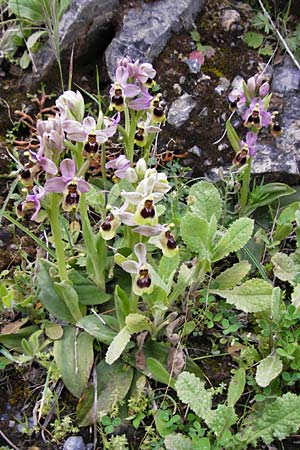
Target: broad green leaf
(235,238)
(194,232)
(95,327)
(27,9)
(253,39)
(233,137)
(113,384)
(178,441)
(159,372)
(68,294)
(232,276)
(288,214)
(48,296)
(88,292)
(191,390)
(117,346)
(122,304)
(275,420)
(268,369)
(13,341)
(236,387)
(254,295)
(285,267)
(205,201)
(74,357)
(135,323)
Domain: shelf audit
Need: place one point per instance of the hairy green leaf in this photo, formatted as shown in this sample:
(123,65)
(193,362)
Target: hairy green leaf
(235,238)
(232,276)
(268,369)
(178,441)
(253,39)
(285,267)
(194,232)
(205,201)
(191,391)
(254,295)
(276,420)
(117,346)
(135,323)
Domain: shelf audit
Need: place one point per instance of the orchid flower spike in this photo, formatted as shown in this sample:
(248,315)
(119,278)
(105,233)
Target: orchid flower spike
(256,116)
(31,203)
(142,283)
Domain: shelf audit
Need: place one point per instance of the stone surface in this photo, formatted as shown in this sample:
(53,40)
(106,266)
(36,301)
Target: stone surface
(74,443)
(223,86)
(84,24)
(230,17)
(286,77)
(180,110)
(146,30)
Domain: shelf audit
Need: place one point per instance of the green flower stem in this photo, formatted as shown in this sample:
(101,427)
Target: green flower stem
(130,148)
(97,256)
(245,186)
(103,168)
(133,302)
(54,216)
(148,145)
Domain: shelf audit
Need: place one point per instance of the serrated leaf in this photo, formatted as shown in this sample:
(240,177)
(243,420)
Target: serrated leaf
(194,232)
(253,39)
(285,267)
(296,296)
(117,346)
(205,201)
(167,267)
(254,295)
(276,420)
(232,276)
(236,387)
(233,137)
(191,390)
(178,441)
(221,419)
(268,369)
(235,238)
(74,357)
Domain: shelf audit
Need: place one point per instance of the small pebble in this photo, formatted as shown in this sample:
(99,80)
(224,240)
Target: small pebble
(177,88)
(74,443)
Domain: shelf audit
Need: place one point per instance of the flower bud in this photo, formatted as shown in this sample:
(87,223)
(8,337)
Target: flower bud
(141,168)
(131,175)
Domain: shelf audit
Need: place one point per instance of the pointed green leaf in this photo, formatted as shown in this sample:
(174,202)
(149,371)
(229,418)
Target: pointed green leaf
(236,387)
(117,346)
(235,238)
(232,276)
(74,357)
(68,294)
(159,372)
(205,201)
(254,295)
(268,369)
(233,137)
(95,327)
(88,292)
(122,304)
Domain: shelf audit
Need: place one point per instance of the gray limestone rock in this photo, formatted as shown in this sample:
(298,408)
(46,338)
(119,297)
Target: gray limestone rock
(180,110)
(286,77)
(146,30)
(84,24)
(74,443)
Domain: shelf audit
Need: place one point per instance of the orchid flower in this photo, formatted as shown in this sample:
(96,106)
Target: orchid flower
(120,166)
(161,237)
(68,184)
(143,129)
(31,203)
(256,116)
(156,109)
(142,283)
(247,149)
(71,106)
(45,163)
(51,134)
